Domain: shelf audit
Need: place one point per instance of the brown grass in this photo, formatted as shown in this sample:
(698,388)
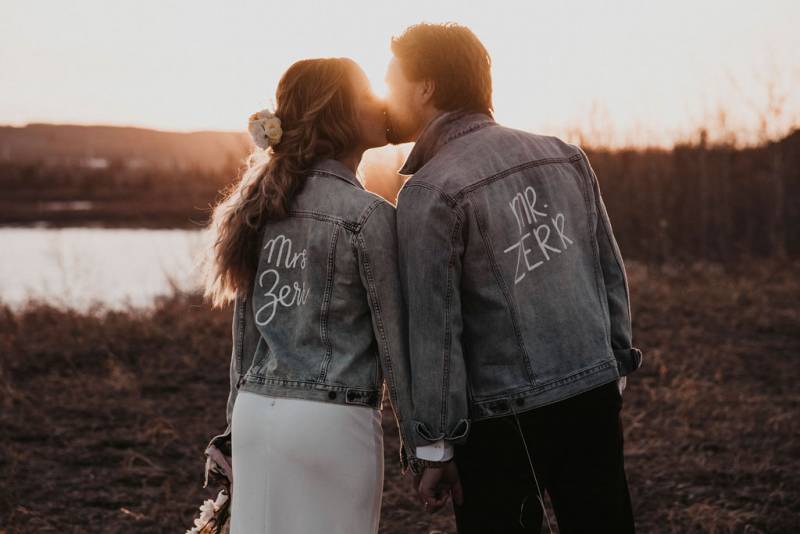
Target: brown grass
(104,416)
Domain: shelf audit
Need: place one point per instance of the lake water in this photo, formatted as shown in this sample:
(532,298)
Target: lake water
(78,267)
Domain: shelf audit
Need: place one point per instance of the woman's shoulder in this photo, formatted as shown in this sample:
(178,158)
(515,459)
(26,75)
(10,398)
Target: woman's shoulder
(338,199)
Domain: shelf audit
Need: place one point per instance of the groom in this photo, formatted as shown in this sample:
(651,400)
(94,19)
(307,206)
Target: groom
(518,307)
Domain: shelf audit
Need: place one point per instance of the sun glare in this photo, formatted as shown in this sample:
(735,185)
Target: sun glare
(624,73)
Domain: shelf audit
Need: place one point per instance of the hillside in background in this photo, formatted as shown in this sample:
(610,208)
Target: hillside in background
(67,175)
(103,146)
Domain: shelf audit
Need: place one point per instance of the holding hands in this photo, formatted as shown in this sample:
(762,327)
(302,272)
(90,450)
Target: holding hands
(436,484)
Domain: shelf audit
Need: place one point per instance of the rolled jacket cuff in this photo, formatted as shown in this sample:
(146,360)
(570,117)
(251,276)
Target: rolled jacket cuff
(628,360)
(423,436)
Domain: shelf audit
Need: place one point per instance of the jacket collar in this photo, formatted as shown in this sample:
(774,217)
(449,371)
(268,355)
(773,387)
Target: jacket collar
(438,132)
(337,169)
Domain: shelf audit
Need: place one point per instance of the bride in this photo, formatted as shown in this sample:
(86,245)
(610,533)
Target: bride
(308,258)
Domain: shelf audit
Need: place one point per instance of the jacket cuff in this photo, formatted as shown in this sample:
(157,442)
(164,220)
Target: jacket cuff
(628,360)
(423,436)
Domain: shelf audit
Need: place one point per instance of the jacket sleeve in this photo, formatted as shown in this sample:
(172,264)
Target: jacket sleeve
(377,250)
(615,280)
(430,235)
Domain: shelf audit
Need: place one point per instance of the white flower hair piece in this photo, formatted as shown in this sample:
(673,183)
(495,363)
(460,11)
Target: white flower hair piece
(265,129)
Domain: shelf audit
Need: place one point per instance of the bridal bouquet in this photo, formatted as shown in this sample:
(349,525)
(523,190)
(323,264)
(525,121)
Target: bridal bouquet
(215,516)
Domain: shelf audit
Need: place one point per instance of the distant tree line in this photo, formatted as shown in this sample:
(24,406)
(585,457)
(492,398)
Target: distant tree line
(117,195)
(700,201)
(696,201)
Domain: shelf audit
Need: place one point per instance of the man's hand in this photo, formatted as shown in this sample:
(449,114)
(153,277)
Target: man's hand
(436,483)
(621,383)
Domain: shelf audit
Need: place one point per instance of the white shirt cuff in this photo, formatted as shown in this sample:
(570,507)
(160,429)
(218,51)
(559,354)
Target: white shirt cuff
(439,451)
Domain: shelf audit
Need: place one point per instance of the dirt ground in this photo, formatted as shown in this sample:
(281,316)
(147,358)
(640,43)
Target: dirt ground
(104,416)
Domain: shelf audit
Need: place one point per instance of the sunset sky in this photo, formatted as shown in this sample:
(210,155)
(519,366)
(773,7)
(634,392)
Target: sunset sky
(623,72)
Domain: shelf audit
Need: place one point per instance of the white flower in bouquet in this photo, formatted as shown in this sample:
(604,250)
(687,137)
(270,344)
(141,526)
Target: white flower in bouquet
(222,498)
(214,516)
(206,513)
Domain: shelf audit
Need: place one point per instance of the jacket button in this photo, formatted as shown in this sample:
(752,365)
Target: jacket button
(331,394)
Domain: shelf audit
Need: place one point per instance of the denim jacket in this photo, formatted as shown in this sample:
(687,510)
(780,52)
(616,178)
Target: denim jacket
(515,288)
(325,318)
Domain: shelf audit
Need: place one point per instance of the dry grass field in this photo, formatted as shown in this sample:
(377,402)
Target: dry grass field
(105,415)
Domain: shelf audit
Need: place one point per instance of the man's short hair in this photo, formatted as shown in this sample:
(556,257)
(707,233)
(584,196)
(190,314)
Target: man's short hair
(454,59)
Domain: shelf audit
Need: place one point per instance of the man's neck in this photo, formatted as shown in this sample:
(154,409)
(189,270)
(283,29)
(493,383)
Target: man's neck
(427,117)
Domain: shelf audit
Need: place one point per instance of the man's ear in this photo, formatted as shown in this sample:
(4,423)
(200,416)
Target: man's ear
(427,90)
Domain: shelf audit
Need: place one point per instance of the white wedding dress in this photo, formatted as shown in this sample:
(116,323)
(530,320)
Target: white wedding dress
(303,467)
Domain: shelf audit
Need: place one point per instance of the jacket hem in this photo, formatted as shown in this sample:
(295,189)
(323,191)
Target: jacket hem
(555,391)
(317,392)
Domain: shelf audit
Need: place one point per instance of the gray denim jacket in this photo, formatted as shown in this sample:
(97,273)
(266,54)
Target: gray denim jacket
(325,319)
(516,291)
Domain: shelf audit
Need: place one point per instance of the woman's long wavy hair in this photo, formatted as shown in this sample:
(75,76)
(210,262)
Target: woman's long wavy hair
(315,103)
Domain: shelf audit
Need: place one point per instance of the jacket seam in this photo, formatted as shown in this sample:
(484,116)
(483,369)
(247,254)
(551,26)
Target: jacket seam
(306,384)
(459,215)
(598,272)
(378,316)
(506,294)
(602,221)
(326,296)
(478,125)
(352,226)
(319,172)
(241,318)
(551,384)
(620,268)
(365,214)
(607,235)
(448,333)
(450,201)
(512,170)
(453,200)
(298,390)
